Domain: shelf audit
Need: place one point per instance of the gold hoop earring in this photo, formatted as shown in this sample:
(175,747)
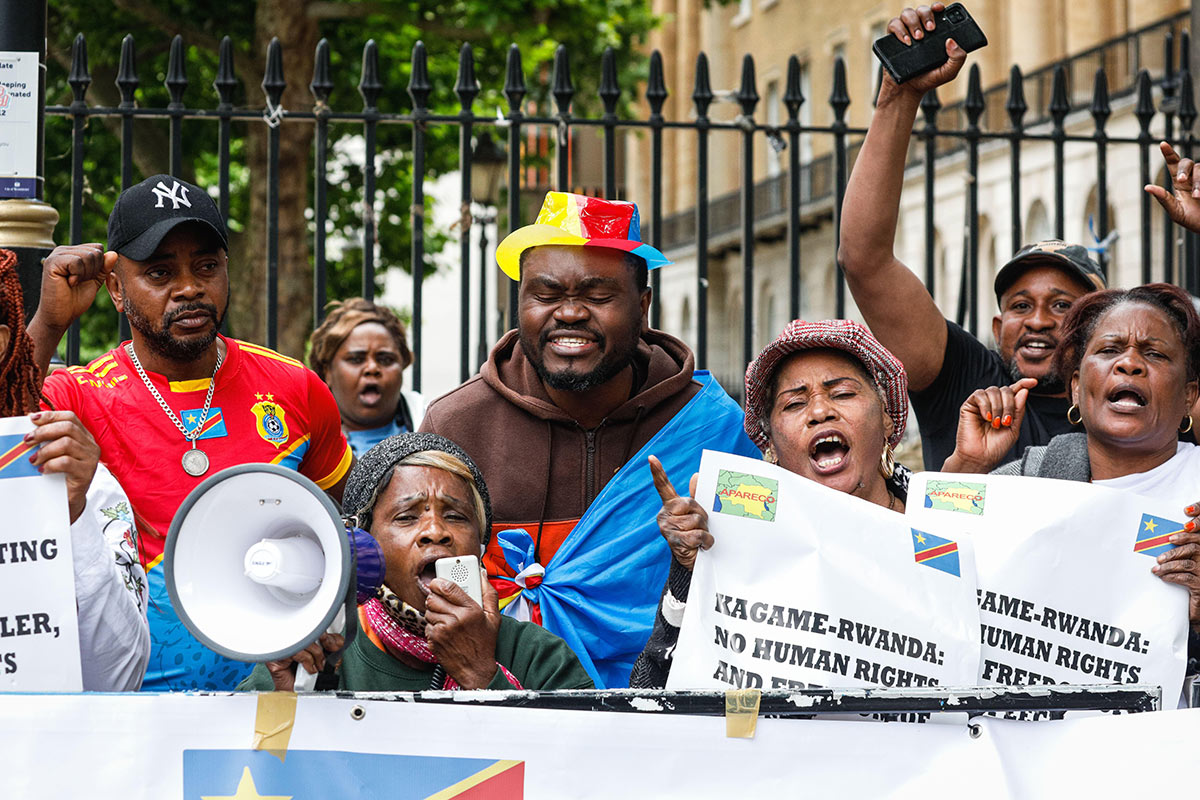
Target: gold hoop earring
(769,455)
(1189,424)
(887,462)
(1078,415)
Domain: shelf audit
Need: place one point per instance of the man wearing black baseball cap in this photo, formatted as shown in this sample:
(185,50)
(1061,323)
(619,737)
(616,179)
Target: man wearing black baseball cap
(178,402)
(946,364)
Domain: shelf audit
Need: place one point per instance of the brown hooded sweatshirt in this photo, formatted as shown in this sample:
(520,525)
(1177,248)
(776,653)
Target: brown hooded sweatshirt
(541,467)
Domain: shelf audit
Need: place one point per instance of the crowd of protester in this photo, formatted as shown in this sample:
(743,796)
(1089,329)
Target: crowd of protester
(571,440)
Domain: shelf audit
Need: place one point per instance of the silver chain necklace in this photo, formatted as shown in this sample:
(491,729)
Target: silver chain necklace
(195,461)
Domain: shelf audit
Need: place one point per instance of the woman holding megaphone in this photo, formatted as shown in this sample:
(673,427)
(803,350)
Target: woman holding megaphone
(423,499)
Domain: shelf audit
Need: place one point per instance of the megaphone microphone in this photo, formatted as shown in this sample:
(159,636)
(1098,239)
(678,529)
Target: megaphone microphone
(258,564)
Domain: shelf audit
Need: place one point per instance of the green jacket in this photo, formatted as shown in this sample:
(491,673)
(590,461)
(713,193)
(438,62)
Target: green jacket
(538,659)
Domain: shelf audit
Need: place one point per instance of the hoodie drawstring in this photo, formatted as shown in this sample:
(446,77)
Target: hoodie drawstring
(637,420)
(537,547)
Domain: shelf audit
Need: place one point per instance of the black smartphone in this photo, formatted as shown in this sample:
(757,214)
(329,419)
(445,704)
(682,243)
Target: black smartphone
(905,61)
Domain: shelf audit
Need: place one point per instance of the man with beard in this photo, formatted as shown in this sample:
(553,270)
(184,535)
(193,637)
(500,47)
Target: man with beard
(579,391)
(179,402)
(946,364)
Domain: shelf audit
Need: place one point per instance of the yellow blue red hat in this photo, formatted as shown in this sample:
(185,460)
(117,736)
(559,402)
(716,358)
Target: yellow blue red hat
(574,219)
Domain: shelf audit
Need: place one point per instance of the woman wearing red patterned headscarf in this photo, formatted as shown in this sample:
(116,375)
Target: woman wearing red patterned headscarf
(825,400)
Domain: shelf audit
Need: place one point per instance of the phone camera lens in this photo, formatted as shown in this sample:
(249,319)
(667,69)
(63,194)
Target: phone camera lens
(954,15)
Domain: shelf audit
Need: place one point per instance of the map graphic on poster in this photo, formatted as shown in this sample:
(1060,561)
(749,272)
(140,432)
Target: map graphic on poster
(744,495)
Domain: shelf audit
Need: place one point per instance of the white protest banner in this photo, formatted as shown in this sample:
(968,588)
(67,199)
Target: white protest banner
(189,747)
(39,638)
(808,586)
(1065,589)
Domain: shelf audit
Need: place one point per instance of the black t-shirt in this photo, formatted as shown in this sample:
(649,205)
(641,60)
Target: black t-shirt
(969,365)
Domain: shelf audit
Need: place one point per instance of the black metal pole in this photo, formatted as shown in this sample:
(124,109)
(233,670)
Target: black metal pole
(466,88)
(273,86)
(930,105)
(839,101)
(747,97)
(656,95)
(1168,104)
(485,219)
(793,98)
(702,96)
(419,90)
(320,87)
(370,87)
(79,80)
(514,90)
(127,83)
(225,84)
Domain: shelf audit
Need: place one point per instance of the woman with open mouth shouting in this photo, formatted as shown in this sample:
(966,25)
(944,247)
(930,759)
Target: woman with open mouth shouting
(361,352)
(825,400)
(1131,362)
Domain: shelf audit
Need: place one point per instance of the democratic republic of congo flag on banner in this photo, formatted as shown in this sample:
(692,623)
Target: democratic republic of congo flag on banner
(260,775)
(934,551)
(1154,535)
(601,589)
(14,457)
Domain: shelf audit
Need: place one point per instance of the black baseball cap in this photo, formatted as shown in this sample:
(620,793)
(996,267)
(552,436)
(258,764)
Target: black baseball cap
(148,211)
(1072,259)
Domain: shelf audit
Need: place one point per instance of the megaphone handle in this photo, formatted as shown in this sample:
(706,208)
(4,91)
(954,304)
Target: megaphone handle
(305,680)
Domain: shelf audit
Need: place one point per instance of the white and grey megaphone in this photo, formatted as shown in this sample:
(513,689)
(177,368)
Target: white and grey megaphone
(258,564)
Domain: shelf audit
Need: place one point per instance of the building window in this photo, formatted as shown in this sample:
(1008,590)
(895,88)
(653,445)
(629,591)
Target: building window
(745,8)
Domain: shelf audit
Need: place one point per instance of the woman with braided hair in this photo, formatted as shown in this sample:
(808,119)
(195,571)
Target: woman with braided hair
(19,378)
(110,585)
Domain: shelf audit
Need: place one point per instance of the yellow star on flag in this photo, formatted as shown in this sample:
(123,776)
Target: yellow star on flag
(191,418)
(246,790)
(920,539)
(1151,525)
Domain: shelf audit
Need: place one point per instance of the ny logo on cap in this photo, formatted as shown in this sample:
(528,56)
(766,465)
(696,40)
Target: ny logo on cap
(177,194)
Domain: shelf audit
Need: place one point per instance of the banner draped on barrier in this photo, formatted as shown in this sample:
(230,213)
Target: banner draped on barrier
(193,747)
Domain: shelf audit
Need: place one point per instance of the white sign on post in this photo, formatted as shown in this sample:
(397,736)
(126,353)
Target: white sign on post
(39,636)
(807,586)
(1065,589)
(19,78)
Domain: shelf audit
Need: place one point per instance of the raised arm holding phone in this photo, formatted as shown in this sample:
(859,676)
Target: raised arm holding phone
(1035,289)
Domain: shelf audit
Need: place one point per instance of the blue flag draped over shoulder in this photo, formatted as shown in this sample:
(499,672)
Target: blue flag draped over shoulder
(601,589)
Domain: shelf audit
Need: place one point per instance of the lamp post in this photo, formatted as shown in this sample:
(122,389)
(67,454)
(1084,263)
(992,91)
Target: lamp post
(487,168)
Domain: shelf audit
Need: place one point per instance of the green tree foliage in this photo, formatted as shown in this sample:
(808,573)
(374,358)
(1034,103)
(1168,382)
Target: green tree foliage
(585,27)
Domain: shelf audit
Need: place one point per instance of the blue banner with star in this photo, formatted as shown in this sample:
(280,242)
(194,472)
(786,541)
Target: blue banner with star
(260,775)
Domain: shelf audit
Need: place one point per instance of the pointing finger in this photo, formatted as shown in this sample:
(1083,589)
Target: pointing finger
(666,491)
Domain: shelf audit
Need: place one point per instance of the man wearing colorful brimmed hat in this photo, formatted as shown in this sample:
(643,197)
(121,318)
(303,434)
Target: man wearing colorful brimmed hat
(561,418)
(945,364)
(179,402)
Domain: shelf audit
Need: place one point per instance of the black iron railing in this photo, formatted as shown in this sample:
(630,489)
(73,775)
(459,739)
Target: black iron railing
(801,188)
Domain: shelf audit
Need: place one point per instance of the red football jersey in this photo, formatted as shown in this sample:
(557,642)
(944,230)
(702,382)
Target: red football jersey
(266,408)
